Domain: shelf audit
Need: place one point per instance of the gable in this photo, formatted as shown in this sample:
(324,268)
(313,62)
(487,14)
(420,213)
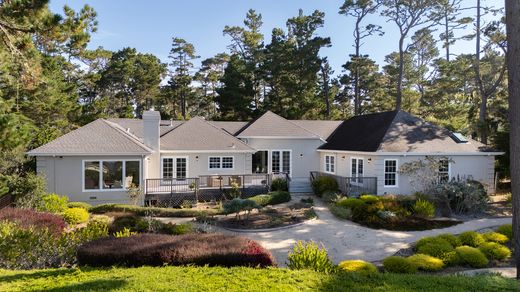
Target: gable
(274,126)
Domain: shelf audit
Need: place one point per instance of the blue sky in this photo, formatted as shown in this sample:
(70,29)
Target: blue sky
(149,26)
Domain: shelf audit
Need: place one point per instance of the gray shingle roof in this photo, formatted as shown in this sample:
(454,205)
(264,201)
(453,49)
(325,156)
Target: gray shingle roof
(231,127)
(136,126)
(396,131)
(273,125)
(322,128)
(98,137)
(198,134)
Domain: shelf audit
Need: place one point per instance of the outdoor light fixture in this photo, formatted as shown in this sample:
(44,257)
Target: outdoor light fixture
(301,154)
(369,159)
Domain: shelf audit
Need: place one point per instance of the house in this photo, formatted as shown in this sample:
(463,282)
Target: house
(200,159)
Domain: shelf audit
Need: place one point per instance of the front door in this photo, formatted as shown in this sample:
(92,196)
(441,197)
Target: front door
(281,161)
(175,167)
(356,170)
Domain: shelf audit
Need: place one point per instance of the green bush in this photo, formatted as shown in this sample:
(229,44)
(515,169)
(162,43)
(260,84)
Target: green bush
(507,230)
(125,233)
(324,183)
(53,203)
(426,263)
(423,209)
(452,239)
(472,256)
(279,184)
(75,215)
(495,237)
(156,211)
(279,197)
(439,248)
(494,251)
(311,256)
(177,229)
(262,200)
(369,199)
(239,205)
(462,196)
(83,205)
(357,266)
(471,238)
(400,265)
(351,203)
(340,212)
(331,196)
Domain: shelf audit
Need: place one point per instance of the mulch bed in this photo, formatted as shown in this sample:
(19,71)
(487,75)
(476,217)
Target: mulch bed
(270,217)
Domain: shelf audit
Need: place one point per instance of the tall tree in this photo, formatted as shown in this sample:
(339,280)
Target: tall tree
(209,75)
(513,63)
(424,50)
(409,15)
(359,10)
(452,21)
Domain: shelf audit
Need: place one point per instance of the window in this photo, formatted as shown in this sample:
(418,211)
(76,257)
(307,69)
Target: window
(111,174)
(357,169)
(225,162)
(167,168)
(174,167)
(390,173)
(444,170)
(329,163)
(180,167)
(275,161)
(281,161)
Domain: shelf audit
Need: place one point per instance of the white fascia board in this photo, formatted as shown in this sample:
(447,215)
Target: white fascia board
(208,151)
(415,153)
(283,137)
(87,154)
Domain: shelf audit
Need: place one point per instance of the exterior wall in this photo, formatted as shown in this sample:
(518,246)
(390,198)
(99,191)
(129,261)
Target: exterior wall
(64,176)
(343,165)
(198,164)
(304,157)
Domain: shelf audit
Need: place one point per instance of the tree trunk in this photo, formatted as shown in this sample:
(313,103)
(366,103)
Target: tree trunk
(401,73)
(447,37)
(325,77)
(513,63)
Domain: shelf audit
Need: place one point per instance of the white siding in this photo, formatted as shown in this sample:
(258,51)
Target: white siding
(198,163)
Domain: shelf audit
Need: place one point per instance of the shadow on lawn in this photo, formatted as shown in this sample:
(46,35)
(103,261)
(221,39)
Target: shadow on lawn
(35,275)
(93,285)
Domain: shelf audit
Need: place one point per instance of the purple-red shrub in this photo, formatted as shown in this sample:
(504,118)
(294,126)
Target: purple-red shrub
(158,249)
(26,218)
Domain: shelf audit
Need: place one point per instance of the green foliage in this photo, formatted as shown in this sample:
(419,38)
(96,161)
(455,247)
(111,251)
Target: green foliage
(75,215)
(322,184)
(311,256)
(124,233)
(369,199)
(471,238)
(507,230)
(159,212)
(279,184)
(472,256)
(279,197)
(331,197)
(239,205)
(350,203)
(494,251)
(426,262)
(424,209)
(495,237)
(461,197)
(437,247)
(262,200)
(53,203)
(357,266)
(399,265)
(177,229)
(340,212)
(452,239)
(29,191)
(83,205)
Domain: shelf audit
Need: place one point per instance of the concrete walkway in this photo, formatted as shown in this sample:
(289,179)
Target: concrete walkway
(348,240)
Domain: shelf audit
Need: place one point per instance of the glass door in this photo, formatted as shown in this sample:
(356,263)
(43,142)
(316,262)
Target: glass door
(281,161)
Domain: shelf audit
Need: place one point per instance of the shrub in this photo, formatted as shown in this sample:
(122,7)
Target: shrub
(125,233)
(239,205)
(279,184)
(331,196)
(157,211)
(426,262)
(279,197)
(351,203)
(357,266)
(507,230)
(395,264)
(309,255)
(471,238)
(495,237)
(461,196)
(262,200)
(340,212)
(28,191)
(212,249)
(494,251)
(83,205)
(25,218)
(53,203)
(424,209)
(324,183)
(75,215)
(472,256)
(452,239)
(369,199)
(176,229)
(439,248)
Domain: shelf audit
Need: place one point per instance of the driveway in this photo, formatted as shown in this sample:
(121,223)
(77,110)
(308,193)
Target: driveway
(348,240)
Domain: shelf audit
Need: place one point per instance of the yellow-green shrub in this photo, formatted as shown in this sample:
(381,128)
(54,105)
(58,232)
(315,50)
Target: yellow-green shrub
(494,251)
(424,209)
(495,237)
(471,238)
(507,230)
(83,205)
(452,239)
(426,263)
(358,266)
(472,256)
(395,264)
(437,247)
(351,203)
(75,215)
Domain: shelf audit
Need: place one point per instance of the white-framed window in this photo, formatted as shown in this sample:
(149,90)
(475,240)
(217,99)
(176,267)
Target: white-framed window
(221,162)
(330,163)
(391,173)
(444,170)
(175,167)
(281,161)
(357,169)
(110,175)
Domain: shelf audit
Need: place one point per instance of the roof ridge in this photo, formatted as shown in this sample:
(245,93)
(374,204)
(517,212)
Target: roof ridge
(126,134)
(396,112)
(225,132)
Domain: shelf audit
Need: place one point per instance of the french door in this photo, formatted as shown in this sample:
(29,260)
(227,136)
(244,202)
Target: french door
(175,167)
(281,161)
(356,170)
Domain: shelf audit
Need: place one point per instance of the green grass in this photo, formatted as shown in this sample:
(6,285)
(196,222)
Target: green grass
(156,211)
(238,279)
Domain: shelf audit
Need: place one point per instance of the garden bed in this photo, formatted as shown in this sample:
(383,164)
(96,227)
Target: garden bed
(270,217)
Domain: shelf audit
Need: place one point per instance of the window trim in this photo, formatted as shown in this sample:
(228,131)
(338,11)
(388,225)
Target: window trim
(221,162)
(396,173)
(174,166)
(333,164)
(101,189)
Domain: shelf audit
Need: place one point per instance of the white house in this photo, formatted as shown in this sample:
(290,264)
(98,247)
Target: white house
(98,162)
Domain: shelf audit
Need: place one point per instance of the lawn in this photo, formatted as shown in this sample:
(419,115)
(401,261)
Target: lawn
(237,279)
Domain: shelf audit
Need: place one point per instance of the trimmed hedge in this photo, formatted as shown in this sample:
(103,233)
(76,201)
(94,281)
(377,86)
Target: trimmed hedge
(507,230)
(426,262)
(279,184)
(75,215)
(322,184)
(357,266)
(494,251)
(471,256)
(26,218)
(211,249)
(156,211)
(471,238)
(400,265)
(83,205)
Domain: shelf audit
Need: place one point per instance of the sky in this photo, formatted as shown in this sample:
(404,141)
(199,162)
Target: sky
(149,26)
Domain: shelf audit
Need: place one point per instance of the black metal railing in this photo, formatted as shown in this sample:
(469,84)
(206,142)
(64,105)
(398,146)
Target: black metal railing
(351,186)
